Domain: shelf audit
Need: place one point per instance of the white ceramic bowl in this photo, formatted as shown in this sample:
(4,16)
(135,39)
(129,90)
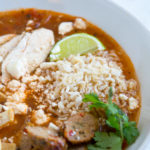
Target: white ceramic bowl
(130,34)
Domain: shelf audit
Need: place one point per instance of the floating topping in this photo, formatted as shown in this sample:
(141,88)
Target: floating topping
(133,103)
(13,85)
(6,118)
(19,108)
(39,117)
(80,24)
(29,25)
(53,126)
(65,27)
(79,43)
(80,128)
(8,46)
(29,53)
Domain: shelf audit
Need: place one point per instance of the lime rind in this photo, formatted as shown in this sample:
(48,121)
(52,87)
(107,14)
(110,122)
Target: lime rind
(58,52)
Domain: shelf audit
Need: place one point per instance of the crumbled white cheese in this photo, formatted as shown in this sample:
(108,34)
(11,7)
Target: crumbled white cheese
(54,104)
(80,24)
(60,105)
(65,27)
(11,140)
(28,79)
(53,126)
(133,103)
(39,117)
(132,85)
(123,97)
(13,85)
(28,29)
(47,65)
(5,107)
(19,108)
(18,96)
(29,25)
(30,22)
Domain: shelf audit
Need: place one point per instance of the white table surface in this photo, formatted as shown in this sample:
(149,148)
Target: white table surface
(139,8)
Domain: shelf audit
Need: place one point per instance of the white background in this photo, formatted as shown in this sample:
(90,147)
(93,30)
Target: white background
(139,8)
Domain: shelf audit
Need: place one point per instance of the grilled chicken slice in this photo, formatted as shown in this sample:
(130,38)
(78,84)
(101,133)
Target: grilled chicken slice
(6,38)
(31,51)
(80,128)
(41,138)
(14,56)
(7,43)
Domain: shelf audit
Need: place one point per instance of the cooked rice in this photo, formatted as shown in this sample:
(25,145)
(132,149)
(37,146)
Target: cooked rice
(61,85)
(58,87)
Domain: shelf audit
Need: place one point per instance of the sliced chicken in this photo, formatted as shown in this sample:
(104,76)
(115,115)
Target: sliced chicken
(31,51)
(6,38)
(80,128)
(6,46)
(41,138)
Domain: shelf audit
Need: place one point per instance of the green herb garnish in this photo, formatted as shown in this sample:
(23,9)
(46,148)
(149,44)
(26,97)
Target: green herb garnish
(106,141)
(115,118)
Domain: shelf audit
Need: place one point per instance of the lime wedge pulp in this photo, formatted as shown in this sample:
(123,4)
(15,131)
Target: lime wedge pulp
(74,44)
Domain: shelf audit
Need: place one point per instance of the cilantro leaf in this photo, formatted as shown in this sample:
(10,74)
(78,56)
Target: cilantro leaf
(98,105)
(94,147)
(113,122)
(130,132)
(95,100)
(112,109)
(92,97)
(106,141)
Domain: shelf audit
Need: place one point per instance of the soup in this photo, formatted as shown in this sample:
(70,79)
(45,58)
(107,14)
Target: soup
(42,104)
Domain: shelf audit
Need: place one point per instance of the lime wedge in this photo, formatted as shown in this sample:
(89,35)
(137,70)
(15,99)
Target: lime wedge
(79,43)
